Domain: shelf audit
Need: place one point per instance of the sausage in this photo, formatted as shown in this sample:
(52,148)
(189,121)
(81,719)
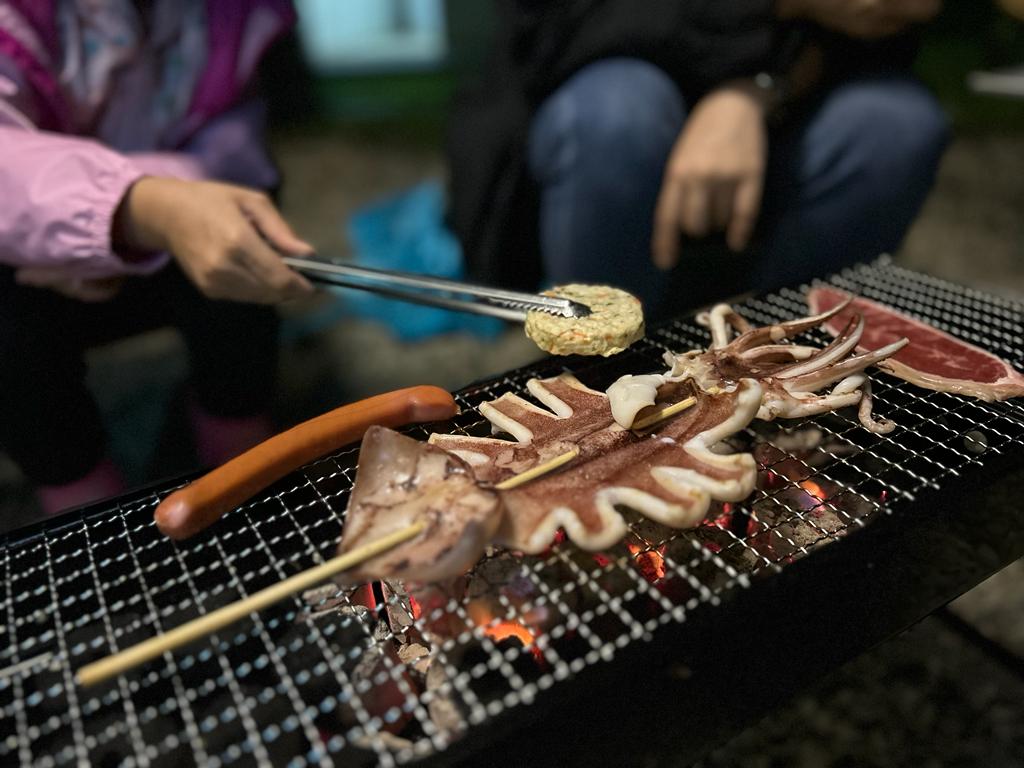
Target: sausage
(201,503)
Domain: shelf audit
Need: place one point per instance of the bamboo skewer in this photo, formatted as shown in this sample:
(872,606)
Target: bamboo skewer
(115,664)
(120,662)
(664,413)
(540,469)
(668,412)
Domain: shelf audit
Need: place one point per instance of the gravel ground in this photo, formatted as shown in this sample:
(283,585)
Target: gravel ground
(923,699)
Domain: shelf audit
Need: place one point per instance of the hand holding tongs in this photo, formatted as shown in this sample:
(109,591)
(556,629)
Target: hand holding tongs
(436,291)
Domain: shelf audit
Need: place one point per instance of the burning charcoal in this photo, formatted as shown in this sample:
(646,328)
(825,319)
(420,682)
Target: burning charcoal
(382,633)
(444,710)
(327,600)
(389,681)
(494,573)
(650,532)
(399,607)
(416,656)
(767,455)
(801,533)
(317,596)
(433,606)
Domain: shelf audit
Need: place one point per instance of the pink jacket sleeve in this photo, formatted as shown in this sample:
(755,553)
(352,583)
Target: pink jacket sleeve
(60,194)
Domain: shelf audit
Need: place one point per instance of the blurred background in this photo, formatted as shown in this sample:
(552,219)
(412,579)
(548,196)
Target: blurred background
(359,97)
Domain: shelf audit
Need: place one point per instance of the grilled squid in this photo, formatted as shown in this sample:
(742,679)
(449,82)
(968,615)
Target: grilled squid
(792,376)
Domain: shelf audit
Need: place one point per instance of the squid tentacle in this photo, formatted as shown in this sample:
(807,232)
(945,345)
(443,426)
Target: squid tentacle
(850,383)
(786,330)
(867,419)
(792,375)
(779,353)
(840,347)
(815,380)
(722,320)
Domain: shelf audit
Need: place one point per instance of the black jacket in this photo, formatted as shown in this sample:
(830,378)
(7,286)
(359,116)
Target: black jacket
(539,44)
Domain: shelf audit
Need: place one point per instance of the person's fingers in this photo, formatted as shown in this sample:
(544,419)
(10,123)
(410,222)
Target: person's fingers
(746,205)
(721,199)
(694,208)
(272,225)
(278,281)
(665,236)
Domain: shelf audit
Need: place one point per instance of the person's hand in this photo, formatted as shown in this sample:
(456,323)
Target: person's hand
(56,279)
(867,19)
(715,174)
(227,239)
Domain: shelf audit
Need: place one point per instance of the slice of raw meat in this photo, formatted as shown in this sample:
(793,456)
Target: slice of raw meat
(933,359)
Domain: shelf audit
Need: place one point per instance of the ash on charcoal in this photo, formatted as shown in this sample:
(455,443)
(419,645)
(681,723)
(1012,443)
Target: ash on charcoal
(444,711)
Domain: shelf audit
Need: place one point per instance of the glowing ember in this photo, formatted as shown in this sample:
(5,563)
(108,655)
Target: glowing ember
(417,609)
(559,537)
(722,521)
(814,489)
(364,596)
(601,560)
(504,629)
(651,562)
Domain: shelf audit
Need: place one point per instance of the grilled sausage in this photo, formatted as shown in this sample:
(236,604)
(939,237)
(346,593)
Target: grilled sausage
(199,504)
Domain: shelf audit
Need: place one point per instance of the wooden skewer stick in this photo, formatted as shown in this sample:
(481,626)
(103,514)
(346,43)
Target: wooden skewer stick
(672,410)
(114,665)
(540,469)
(120,662)
(664,413)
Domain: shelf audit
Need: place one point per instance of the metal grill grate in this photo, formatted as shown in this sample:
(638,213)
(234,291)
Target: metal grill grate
(384,676)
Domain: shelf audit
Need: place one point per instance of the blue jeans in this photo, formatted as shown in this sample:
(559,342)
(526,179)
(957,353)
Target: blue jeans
(842,185)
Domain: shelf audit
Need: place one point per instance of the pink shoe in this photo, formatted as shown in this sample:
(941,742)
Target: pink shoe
(102,482)
(219,438)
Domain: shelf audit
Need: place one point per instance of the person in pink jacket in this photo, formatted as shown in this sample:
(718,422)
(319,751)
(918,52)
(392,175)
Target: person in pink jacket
(133,178)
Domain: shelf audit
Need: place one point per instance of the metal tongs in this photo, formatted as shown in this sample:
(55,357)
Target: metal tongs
(436,291)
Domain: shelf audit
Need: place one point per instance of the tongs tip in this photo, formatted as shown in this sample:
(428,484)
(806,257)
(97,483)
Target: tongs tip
(575,309)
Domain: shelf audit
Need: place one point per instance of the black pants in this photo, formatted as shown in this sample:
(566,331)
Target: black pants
(49,422)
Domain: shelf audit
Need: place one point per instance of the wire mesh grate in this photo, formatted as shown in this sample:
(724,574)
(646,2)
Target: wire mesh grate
(385,675)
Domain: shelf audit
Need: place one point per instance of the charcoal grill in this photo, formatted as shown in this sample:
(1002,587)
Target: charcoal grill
(849,538)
